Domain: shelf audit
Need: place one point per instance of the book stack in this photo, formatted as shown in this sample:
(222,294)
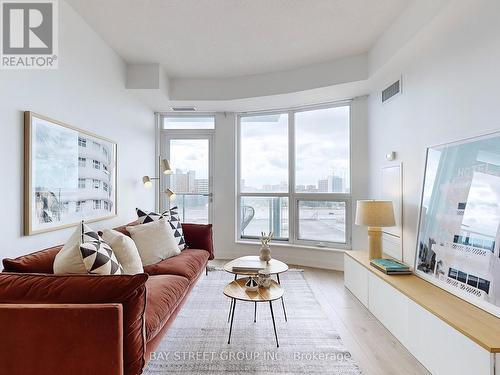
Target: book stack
(247,266)
(391,266)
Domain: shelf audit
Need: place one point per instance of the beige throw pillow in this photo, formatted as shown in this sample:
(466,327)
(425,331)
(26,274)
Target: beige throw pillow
(125,251)
(155,241)
(69,259)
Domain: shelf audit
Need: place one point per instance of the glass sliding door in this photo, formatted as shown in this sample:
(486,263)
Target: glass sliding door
(190,156)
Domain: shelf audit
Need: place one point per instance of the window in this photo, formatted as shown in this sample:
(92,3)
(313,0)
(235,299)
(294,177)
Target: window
(105,186)
(96,164)
(97,204)
(80,205)
(106,206)
(188,122)
(81,162)
(82,142)
(96,183)
(81,183)
(96,145)
(294,176)
(321,220)
(322,150)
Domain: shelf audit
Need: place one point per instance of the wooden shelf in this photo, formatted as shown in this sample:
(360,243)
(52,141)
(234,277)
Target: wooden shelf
(478,325)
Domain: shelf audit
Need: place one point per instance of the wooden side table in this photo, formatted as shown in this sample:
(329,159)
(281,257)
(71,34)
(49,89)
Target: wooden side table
(237,292)
(274,267)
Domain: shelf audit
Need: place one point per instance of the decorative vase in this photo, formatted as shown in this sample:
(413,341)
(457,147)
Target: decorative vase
(264,279)
(251,285)
(265,253)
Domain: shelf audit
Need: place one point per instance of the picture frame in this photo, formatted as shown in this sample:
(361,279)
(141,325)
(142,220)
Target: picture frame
(70,175)
(459,220)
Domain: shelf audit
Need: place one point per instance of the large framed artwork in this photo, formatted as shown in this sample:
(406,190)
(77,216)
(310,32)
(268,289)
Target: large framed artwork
(70,175)
(459,226)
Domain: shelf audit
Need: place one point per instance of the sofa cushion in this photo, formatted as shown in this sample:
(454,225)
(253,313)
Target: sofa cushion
(164,293)
(125,250)
(173,218)
(129,291)
(38,262)
(199,236)
(188,264)
(155,241)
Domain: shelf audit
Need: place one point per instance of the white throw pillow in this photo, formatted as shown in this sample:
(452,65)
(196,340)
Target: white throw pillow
(86,252)
(69,259)
(155,241)
(125,250)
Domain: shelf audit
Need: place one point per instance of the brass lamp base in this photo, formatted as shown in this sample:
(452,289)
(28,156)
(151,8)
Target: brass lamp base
(374,242)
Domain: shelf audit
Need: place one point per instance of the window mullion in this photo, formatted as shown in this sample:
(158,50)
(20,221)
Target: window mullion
(292,204)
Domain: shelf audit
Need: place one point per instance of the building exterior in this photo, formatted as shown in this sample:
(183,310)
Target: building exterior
(90,195)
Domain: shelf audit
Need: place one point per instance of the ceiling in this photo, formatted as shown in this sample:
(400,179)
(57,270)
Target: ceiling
(233,38)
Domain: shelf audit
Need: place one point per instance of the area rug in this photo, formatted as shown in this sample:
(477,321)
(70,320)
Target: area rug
(197,341)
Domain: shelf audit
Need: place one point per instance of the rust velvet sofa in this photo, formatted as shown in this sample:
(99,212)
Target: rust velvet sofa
(90,324)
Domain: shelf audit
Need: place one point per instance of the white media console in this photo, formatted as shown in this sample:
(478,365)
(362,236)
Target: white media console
(448,335)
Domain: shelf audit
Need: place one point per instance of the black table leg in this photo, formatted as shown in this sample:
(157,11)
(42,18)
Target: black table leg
(282,301)
(231,305)
(230,308)
(274,324)
(255,312)
(232,318)
(284,311)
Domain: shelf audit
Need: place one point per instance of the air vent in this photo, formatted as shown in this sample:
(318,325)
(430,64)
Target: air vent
(392,90)
(184,109)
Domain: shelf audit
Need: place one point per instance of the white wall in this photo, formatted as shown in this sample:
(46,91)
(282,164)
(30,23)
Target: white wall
(225,195)
(451,81)
(87,91)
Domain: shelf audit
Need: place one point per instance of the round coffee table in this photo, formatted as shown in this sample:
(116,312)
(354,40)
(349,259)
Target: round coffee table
(237,292)
(273,267)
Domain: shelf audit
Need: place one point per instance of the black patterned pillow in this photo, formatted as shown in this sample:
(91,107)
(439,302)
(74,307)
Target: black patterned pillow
(173,218)
(175,223)
(147,216)
(98,257)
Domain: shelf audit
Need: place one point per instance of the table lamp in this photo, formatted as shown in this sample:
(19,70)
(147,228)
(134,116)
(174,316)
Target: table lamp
(375,214)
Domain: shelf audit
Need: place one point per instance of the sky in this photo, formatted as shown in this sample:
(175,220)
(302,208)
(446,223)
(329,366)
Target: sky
(321,142)
(55,149)
(322,146)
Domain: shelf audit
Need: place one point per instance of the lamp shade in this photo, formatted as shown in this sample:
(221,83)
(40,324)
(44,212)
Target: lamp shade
(146,180)
(171,195)
(165,167)
(375,213)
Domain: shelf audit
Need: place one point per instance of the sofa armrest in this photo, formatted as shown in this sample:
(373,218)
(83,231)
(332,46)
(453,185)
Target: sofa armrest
(127,290)
(199,236)
(61,339)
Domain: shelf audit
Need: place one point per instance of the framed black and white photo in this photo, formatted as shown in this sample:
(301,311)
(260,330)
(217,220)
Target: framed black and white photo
(70,175)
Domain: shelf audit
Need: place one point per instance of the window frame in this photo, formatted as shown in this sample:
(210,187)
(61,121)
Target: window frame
(295,197)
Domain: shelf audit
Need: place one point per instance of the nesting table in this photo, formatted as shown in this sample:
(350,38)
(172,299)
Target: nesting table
(236,290)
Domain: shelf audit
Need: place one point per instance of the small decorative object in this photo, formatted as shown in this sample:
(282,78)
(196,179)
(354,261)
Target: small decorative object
(251,285)
(264,279)
(375,214)
(265,252)
(70,175)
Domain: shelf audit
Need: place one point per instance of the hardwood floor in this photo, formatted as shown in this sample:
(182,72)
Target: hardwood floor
(376,350)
